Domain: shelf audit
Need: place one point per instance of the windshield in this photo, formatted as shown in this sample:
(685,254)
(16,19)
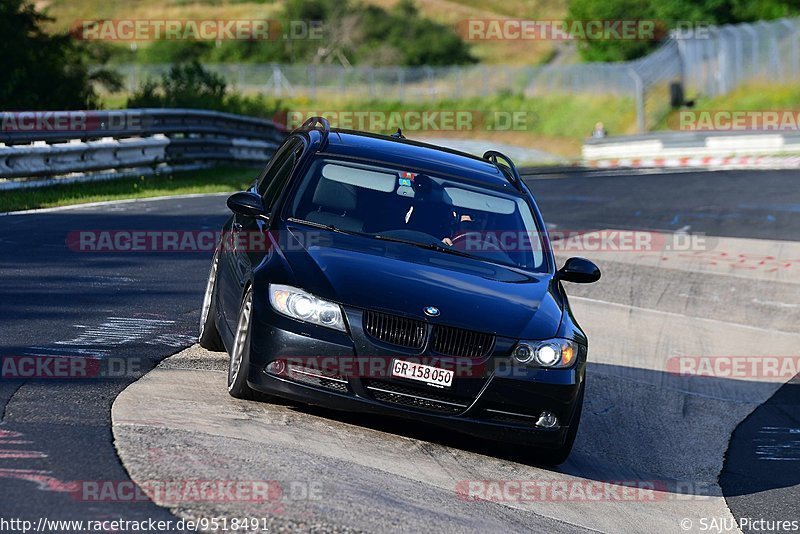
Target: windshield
(439,213)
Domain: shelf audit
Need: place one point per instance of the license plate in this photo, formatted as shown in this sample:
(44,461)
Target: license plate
(422,373)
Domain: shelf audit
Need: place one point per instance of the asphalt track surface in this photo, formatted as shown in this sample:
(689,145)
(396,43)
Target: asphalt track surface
(141,307)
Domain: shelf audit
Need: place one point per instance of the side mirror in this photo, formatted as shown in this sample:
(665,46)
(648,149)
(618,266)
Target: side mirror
(580,271)
(247,204)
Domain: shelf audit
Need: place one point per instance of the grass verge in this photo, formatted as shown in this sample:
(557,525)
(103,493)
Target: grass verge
(750,97)
(556,123)
(554,115)
(217,180)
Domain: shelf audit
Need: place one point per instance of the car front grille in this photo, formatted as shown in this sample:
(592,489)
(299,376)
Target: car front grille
(413,398)
(395,330)
(410,333)
(463,343)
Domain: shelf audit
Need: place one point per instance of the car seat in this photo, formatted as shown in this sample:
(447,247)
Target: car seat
(335,203)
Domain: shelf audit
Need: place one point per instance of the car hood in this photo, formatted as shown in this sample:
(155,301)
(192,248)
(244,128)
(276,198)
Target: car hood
(404,279)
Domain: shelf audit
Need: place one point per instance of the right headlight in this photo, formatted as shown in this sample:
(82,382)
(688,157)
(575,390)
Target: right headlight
(304,306)
(551,353)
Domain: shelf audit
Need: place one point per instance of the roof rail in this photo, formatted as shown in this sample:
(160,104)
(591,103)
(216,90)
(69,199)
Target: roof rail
(313,122)
(514,177)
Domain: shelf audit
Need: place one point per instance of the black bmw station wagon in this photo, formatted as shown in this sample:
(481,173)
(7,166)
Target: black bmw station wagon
(395,277)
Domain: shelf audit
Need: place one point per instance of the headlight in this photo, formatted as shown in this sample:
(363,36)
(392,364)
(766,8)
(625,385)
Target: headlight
(549,353)
(298,304)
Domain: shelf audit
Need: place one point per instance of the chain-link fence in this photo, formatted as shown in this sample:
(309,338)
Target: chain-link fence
(405,83)
(732,55)
(710,61)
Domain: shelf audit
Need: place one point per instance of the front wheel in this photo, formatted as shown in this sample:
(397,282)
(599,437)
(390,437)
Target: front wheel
(209,335)
(239,361)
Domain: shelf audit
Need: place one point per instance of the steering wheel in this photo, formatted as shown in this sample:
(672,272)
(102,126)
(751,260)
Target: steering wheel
(484,242)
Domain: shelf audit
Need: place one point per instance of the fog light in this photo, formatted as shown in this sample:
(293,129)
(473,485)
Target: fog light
(278,367)
(523,353)
(547,420)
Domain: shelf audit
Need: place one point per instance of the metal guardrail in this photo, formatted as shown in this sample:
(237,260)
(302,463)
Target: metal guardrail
(43,148)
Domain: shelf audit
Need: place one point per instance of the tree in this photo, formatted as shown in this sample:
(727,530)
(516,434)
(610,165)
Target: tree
(42,71)
(338,31)
(667,14)
(417,40)
(583,11)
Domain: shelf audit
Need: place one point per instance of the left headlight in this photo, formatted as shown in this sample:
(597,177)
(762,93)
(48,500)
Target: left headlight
(552,353)
(298,304)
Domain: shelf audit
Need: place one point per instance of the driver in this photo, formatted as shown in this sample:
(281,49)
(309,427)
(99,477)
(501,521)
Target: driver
(467,223)
(428,211)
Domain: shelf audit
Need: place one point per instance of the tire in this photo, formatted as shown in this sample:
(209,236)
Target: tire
(559,455)
(239,358)
(209,335)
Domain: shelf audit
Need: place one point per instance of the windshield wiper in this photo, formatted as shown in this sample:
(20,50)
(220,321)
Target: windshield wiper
(330,227)
(428,246)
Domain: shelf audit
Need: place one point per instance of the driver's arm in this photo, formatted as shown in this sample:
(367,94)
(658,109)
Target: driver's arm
(464,218)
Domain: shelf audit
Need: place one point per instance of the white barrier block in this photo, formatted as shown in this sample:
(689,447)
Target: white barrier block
(739,143)
(633,149)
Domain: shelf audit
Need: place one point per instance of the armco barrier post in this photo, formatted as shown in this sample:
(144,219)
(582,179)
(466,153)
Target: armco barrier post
(794,47)
(641,119)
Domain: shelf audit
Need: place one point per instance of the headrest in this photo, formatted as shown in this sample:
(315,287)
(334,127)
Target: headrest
(335,195)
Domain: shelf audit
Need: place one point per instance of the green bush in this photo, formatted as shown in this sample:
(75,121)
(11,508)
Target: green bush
(190,85)
(177,51)
(186,85)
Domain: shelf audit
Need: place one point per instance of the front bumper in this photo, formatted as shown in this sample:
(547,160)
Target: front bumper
(496,403)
